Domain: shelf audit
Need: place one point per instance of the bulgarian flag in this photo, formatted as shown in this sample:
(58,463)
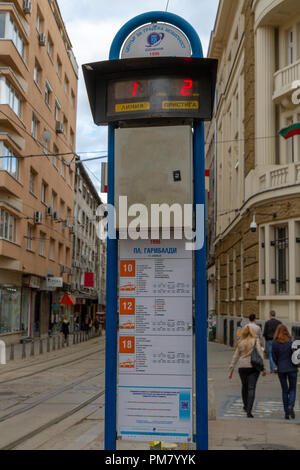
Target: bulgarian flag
(290,131)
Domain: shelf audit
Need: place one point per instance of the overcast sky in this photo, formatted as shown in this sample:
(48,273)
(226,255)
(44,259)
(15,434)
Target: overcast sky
(92,25)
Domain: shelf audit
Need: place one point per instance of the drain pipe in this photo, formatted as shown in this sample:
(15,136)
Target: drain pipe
(2,353)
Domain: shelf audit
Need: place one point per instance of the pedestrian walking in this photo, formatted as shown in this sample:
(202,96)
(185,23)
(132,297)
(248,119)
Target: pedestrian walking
(77,324)
(287,371)
(269,331)
(256,328)
(248,374)
(65,328)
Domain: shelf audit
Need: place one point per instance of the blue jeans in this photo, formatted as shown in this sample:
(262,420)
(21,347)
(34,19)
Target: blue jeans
(272,365)
(288,382)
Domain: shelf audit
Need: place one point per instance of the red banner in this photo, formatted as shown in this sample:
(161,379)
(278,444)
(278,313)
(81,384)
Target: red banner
(88,279)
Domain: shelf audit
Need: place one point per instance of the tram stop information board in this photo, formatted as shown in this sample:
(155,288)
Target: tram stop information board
(156,88)
(155,341)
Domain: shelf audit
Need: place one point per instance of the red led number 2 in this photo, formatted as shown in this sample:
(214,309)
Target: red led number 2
(135,87)
(188,86)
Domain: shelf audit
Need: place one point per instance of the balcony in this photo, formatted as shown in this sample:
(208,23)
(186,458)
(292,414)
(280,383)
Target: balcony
(10,57)
(283,83)
(274,12)
(272,177)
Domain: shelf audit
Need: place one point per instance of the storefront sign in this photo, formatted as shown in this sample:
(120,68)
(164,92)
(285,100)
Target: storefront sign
(155,341)
(54,282)
(34,282)
(88,279)
(156,40)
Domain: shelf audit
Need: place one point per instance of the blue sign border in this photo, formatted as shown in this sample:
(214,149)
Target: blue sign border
(200,255)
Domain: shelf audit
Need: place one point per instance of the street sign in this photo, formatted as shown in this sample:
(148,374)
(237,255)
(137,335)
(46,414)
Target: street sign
(155,361)
(54,282)
(156,40)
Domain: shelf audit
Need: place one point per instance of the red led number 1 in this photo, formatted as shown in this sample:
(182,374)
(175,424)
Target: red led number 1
(135,87)
(188,86)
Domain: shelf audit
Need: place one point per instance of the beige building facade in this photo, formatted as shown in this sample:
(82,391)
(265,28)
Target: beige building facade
(88,250)
(38,95)
(257,172)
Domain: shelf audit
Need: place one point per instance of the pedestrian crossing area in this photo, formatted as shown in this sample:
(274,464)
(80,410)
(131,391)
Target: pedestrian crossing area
(263,408)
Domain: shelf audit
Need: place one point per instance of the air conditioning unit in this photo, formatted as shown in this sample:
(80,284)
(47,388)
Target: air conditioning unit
(59,127)
(42,39)
(49,211)
(27,7)
(38,218)
(71,228)
(55,215)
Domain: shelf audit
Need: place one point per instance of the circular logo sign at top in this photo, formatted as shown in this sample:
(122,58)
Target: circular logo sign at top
(156,40)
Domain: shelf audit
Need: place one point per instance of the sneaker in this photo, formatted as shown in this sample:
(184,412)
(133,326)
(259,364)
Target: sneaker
(250,415)
(292,412)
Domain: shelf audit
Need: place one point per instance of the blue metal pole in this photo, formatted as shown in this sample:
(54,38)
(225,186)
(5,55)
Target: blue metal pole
(111,311)
(200,298)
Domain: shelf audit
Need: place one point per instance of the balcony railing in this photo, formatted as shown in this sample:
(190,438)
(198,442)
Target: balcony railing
(284,78)
(272,177)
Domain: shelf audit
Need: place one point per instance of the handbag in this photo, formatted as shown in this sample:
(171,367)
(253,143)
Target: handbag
(256,359)
(295,346)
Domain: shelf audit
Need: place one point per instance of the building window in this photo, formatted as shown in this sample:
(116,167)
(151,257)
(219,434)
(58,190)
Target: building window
(62,169)
(9,162)
(10,308)
(51,249)
(290,41)
(53,200)
(34,126)
(58,67)
(32,178)
(48,93)
(290,145)
(281,244)
(42,244)
(57,109)
(29,237)
(37,73)
(12,98)
(8,226)
(50,47)
(44,192)
(72,99)
(10,31)
(55,152)
(66,85)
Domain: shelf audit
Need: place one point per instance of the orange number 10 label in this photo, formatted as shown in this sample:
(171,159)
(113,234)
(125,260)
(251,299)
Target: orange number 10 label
(127,269)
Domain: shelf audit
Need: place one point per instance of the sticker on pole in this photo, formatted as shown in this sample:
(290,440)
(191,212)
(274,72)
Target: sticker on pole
(156,40)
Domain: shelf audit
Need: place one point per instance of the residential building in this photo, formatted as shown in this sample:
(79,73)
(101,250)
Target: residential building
(257,43)
(36,178)
(89,252)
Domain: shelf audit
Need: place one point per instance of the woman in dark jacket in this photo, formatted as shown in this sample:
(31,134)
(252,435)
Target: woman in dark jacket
(287,372)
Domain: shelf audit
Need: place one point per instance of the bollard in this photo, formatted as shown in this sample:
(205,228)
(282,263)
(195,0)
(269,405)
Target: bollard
(58,342)
(2,353)
(23,351)
(12,352)
(53,344)
(41,346)
(32,349)
(48,344)
(74,338)
(68,341)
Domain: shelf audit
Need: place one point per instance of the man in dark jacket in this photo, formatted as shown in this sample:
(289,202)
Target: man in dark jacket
(269,330)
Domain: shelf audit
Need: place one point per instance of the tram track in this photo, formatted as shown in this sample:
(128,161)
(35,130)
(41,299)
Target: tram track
(12,445)
(61,364)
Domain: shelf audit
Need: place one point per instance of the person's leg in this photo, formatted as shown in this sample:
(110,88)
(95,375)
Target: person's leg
(285,392)
(243,377)
(252,381)
(292,379)
(272,365)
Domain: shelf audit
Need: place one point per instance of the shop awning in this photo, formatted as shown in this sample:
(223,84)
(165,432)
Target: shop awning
(67,300)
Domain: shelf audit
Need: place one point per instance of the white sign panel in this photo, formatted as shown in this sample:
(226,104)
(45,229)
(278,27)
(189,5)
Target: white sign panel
(53,282)
(156,40)
(155,341)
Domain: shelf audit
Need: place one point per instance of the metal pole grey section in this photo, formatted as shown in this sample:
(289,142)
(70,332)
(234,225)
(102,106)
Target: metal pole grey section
(111,311)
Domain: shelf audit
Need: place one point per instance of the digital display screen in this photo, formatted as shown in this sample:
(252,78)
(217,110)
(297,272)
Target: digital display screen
(153,97)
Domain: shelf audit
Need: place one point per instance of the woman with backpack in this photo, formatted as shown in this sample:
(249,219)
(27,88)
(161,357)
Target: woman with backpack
(243,355)
(287,371)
